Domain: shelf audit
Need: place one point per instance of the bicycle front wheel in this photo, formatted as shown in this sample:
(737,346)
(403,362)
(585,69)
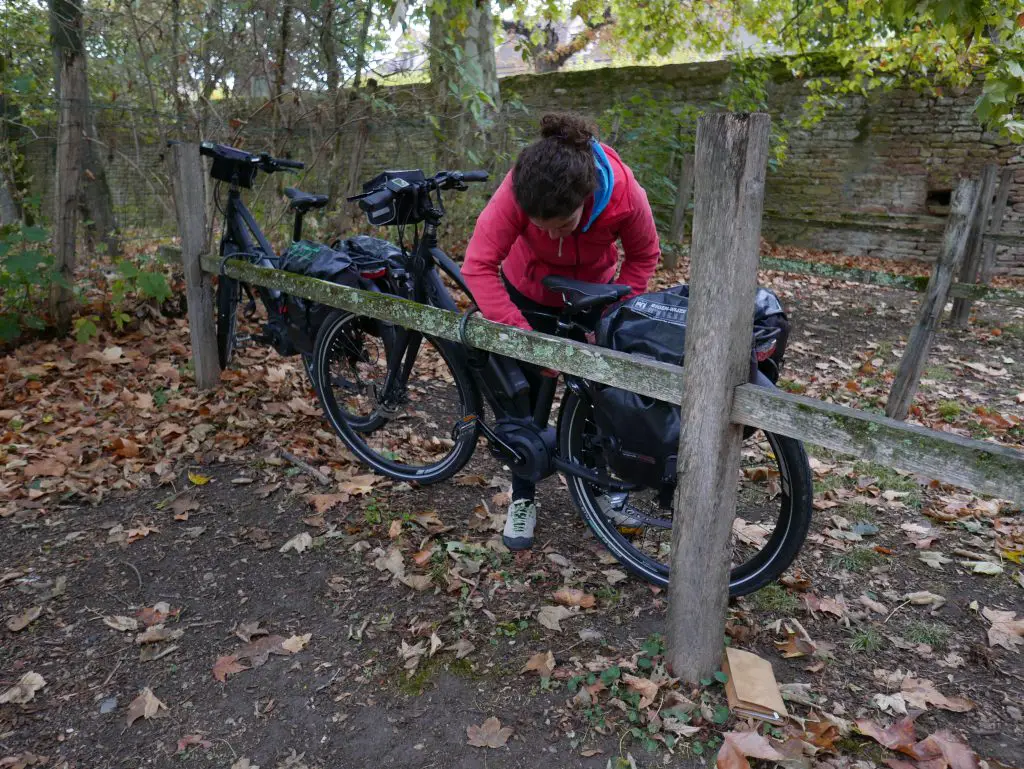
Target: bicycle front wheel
(773,506)
(416,431)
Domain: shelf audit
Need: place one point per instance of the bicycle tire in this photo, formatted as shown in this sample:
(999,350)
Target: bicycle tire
(764,568)
(354,432)
(227,318)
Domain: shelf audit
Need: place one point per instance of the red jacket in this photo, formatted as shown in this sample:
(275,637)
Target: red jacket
(504,237)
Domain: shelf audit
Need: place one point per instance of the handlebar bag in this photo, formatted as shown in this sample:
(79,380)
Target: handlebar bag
(641,434)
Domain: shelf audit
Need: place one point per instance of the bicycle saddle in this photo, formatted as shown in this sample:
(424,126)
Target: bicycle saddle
(580,296)
(303,201)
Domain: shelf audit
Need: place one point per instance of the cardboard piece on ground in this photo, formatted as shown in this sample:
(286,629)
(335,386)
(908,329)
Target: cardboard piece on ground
(751,688)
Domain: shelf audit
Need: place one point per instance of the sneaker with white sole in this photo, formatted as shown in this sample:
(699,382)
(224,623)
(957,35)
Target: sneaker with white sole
(519,525)
(613,507)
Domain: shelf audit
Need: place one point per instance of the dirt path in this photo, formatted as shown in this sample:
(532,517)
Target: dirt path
(345,696)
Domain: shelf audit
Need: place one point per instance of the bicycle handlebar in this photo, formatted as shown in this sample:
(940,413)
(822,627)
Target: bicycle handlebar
(442,180)
(262,160)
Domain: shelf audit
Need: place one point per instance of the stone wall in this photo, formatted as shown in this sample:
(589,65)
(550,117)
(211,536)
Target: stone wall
(873,178)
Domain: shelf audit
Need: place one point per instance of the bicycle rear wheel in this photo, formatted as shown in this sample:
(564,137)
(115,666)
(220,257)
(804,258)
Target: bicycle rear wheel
(773,510)
(228,292)
(416,432)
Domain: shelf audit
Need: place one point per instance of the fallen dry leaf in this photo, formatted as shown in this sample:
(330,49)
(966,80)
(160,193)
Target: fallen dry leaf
(900,736)
(249,630)
(645,687)
(435,644)
(551,616)
(920,692)
(197,479)
(124,624)
(890,703)
(422,557)
(738,746)
(324,502)
(24,690)
(542,662)
(924,598)
(795,645)
(1006,631)
(943,749)
(48,467)
(258,651)
(390,561)
(226,666)
(192,739)
(244,763)
(156,614)
(395,529)
(157,633)
(614,576)
(571,596)
(490,734)
(146,706)
(462,648)
(416,581)
(23,620)
(299,543)
(296,643)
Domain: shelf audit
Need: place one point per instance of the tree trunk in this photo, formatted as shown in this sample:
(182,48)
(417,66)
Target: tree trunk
(66,33)
(10,211)
(464,72)
(96,200)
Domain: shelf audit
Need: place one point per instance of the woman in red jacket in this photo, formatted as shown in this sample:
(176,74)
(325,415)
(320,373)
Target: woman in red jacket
(560,211)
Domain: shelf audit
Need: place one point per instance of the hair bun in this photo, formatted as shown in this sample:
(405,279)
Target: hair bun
(572,129)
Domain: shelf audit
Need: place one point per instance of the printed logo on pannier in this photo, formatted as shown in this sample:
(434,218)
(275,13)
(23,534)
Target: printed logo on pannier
(658,311)
(304,251)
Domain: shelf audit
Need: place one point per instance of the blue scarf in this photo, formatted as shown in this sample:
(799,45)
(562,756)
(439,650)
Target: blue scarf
(605,182)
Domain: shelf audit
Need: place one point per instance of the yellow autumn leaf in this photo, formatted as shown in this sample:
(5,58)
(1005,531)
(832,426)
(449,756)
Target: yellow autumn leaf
(197,479)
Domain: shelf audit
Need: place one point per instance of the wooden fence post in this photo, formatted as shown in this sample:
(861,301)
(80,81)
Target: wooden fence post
(972,252)
(954,242)
(988,258)
(190,206)
(731,163)
(678,228)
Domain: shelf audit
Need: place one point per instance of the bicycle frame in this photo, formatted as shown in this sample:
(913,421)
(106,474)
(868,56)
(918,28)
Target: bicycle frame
(240,228)
(428,288)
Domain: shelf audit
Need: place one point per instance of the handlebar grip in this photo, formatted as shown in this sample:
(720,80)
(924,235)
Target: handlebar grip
(289,163)
(475,176)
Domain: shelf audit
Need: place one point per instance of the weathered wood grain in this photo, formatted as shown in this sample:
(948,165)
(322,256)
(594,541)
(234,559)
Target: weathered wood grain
(973,249)
(190,206)
(731,163)
(981,466)
(933,304)
(988,258)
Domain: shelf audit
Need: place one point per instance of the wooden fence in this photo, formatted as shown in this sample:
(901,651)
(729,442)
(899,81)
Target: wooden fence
(716,402)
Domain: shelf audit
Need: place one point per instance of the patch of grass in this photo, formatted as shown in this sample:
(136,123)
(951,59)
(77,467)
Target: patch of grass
(935,634)
(858,511)
(887,477)
(375,512)
(949,410)
(607,595)
(792,386)
(416,684)
(1015,330)
(857,559)
(828,483)
(867,640)
(938,373)
(884,350)
(774,598)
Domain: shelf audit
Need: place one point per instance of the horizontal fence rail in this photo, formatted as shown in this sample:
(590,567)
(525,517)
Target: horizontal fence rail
(980,466)
(974,291)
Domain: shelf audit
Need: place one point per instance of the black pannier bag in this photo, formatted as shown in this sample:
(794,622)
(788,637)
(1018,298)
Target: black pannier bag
(641,434)
(316,260)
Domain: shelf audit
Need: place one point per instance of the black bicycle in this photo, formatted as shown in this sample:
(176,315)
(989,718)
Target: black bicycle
(411,406)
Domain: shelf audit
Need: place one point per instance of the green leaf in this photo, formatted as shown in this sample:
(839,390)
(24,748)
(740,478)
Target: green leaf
(721,714)
(611,674)
(127,269)
(9,328)
(85,329)
(24,262)
(705,681)
(721,677)
(154,285)
(644,663)
(35,234)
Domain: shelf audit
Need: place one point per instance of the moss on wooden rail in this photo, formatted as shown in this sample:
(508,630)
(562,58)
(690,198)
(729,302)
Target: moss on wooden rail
(971,291)
(976,465)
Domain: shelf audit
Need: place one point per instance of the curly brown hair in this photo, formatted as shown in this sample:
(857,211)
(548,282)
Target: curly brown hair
(555,174)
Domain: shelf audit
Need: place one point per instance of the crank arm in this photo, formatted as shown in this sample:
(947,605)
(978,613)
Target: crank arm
(571,468)
(491,436)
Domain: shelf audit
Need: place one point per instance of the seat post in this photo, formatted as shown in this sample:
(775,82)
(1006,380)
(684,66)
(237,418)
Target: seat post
(297,227)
